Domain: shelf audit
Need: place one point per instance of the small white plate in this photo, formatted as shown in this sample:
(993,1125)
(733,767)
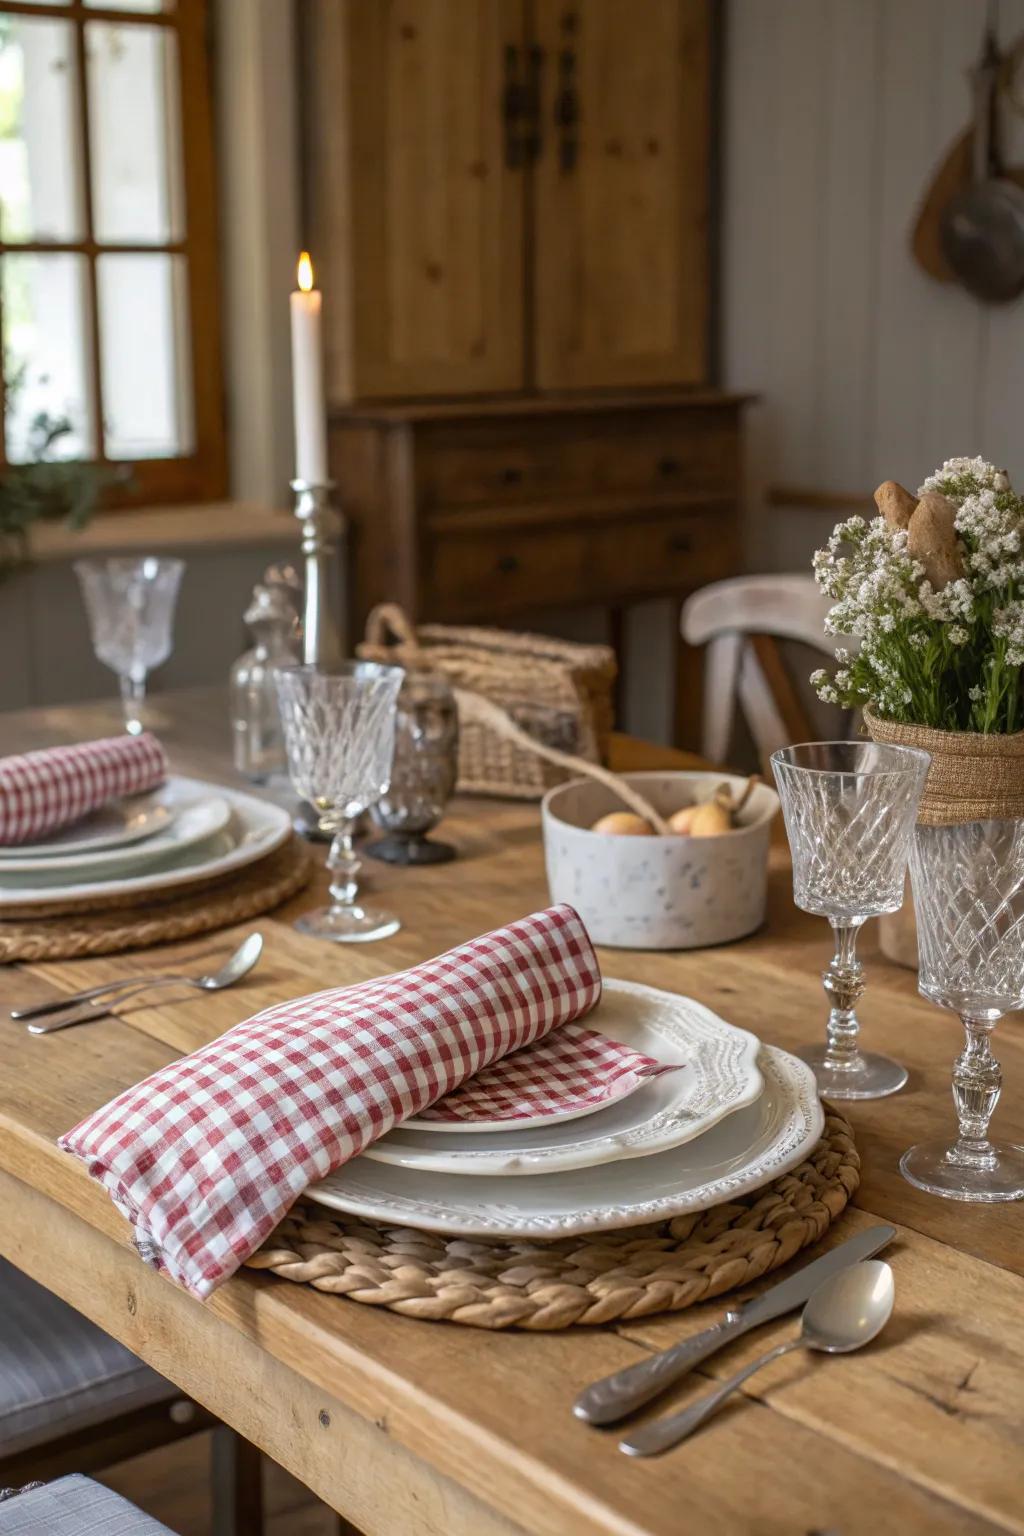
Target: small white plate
(255,828)
(742,1153)
(718,1075)
(193,823)
(112,826)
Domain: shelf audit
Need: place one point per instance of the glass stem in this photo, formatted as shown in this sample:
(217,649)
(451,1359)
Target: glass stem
(844,983)
(133,693)
(344,865)
(977,1081)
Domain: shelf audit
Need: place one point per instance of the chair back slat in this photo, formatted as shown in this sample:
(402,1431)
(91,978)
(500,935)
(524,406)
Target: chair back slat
(741,622)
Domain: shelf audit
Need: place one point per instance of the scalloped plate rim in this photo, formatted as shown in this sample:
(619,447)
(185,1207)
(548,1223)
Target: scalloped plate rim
(664,1126)
(789,1082)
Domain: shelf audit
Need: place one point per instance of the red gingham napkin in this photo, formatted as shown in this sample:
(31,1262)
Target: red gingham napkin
(569,1071)
(43,791)
(207,1155)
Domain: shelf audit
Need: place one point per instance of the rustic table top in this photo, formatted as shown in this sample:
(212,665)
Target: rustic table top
(434,1430)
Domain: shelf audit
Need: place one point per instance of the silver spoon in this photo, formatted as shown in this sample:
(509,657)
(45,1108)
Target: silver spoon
(234,968)
(847,1311)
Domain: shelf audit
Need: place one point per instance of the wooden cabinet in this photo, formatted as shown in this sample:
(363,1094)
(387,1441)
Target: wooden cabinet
(619,244)
(508,196)
(417,217)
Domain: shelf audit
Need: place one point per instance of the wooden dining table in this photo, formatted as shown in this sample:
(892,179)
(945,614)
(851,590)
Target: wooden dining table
(413,1428)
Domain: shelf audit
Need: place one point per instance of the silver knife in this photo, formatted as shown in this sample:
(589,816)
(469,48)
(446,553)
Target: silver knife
(615,1396)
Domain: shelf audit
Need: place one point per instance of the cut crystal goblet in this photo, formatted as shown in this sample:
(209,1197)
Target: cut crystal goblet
(968,886)
(339,731)
(130,606)
(849,809)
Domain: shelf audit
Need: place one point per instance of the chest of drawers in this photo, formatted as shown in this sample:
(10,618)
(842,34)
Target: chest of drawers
(487,512)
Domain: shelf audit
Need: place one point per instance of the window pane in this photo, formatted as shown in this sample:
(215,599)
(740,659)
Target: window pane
(144,356)
(40,185)
(46,354)
(134,132)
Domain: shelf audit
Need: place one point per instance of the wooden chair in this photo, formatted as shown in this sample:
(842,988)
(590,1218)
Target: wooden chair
(740,621)
(72,1399)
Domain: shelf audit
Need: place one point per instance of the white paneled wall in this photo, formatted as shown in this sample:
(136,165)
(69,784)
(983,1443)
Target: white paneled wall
(836,113)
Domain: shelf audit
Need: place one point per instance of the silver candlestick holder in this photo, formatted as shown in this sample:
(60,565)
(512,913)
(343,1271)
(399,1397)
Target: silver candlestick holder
(321,529)
(321,633)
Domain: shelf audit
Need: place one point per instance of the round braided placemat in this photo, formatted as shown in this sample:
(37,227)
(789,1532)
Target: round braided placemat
(74,931)
(571,1281)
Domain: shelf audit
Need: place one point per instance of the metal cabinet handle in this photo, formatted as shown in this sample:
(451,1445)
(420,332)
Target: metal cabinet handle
(682,543)
(667,467)
(567,112)
(513,105)
(567,98)
(506,564)
(533,139)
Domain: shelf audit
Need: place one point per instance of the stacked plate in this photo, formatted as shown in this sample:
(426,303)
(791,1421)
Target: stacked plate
(185,830)
(734,1115)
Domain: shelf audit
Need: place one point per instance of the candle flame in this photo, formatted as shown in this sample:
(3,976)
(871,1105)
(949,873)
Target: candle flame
(305,272)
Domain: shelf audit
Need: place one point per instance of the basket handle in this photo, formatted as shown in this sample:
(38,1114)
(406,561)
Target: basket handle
(389,622)
(473,706)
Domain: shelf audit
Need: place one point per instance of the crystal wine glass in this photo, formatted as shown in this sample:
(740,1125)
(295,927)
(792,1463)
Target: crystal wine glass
(130,606)
(969,897)
(339,732)
(849,809)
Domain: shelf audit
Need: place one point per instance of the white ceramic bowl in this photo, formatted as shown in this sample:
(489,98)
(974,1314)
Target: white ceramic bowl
(658,892)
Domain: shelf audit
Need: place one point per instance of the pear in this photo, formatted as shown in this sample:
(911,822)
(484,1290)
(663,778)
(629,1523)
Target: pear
(681,822)
(623,824)
(710,819)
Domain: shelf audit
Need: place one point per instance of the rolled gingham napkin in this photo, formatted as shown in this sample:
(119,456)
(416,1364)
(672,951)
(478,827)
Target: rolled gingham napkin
(207,1155)
(572,1070)
(43,791)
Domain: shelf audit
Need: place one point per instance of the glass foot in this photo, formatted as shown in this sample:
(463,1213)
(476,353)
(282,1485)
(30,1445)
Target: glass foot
(410,850)
(870,1076)
(930,1166)
(348,925)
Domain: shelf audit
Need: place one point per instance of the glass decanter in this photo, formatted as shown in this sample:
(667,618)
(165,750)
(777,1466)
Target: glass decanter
(257,734)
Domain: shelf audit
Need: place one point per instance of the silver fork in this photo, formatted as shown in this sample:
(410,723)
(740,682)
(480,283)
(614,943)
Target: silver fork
(234,968)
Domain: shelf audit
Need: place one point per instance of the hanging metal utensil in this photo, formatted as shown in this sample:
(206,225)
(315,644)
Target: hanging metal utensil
(982,226)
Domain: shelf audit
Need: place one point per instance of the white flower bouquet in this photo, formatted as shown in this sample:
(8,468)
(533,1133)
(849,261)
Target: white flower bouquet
(933,590)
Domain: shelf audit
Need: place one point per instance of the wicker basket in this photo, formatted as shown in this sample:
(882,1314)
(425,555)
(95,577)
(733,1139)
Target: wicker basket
(558,692)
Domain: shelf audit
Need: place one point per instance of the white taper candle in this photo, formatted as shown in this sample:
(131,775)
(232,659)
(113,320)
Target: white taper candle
(308,378)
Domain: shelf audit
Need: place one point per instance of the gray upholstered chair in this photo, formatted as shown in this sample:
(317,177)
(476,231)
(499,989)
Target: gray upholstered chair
(72,1399)
(74,1506)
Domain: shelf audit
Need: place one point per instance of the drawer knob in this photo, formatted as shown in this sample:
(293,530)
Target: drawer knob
(668,467)
(680,542)
(506,564)
(510,475)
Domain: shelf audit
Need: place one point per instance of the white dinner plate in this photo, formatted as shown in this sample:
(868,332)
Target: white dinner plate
(112,826)
(718,1076)
(254,829)
(193,823)
(740,1154)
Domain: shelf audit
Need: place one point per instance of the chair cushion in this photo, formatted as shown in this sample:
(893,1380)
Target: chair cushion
(75,1506)
(58,1371)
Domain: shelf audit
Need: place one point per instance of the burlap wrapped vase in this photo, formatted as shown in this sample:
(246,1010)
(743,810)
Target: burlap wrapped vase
(973,777)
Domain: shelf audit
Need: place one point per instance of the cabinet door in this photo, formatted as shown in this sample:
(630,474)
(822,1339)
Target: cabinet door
(416,207)
(620,244)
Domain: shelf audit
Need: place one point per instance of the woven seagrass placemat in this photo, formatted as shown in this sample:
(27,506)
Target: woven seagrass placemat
(74,930)
(571,1281)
